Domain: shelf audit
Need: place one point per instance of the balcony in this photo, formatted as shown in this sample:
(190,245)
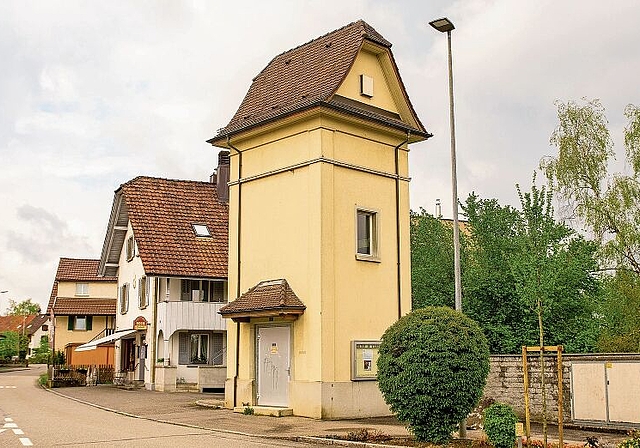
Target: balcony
(188,315)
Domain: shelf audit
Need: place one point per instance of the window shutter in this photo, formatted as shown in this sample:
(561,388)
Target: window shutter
(218,349)
(183,347)
(70,320)
(89,322)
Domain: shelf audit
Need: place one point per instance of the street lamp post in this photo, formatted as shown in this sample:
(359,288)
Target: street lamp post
(444,25)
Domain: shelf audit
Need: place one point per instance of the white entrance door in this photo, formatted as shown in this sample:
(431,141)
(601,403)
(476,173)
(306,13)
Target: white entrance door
(273,366)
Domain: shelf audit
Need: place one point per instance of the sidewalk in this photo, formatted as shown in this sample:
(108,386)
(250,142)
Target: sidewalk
(183,409)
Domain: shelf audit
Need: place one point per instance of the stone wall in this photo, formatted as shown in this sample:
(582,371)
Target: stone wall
(505,382)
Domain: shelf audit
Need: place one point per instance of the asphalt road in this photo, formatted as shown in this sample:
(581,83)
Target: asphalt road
(31,416)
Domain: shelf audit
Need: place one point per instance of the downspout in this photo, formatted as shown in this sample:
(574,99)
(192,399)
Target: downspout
(399,270)
(238,229)
(154,348)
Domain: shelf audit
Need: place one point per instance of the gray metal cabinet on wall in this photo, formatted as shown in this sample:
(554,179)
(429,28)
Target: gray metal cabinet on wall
(605,391)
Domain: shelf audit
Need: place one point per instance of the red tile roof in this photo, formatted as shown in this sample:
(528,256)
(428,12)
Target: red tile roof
(162,213)
(273,296)
(79,269)
(308,76)
(84,306)
(15,323)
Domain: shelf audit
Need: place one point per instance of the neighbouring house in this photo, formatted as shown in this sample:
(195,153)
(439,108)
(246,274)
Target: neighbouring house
(319,263)
(82,308)
(37,329)
(32,326)
(167,243)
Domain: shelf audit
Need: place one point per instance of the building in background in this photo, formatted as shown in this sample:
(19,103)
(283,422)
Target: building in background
(82,308)
(167,243)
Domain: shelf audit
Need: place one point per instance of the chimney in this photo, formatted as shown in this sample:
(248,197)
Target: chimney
(438,209)
(222,176)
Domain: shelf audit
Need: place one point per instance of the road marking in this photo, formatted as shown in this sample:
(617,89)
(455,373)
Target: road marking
(2,430)
(18,432)
(10,425)
(25,441)
(8,387)
(8,419)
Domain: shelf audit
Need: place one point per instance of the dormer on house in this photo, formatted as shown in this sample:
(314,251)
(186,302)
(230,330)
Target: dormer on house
(319,229)
(167,244)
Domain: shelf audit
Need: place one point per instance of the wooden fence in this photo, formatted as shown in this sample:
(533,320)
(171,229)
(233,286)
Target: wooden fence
(71,376)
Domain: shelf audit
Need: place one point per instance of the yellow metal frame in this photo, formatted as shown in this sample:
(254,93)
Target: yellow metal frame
(525,370)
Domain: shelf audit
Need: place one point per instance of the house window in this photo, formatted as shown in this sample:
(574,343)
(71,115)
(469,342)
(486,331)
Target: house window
(80,323)
(124,298)
(202,291)
(143,293)
(82,289)
(193,348)
(201,230)
(367,234)
(131,248)
(366,86)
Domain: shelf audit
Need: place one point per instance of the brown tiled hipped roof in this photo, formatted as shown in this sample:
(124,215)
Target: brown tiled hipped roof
(308,76)
(74,306)
(79,270)
(270,297)
(162,213)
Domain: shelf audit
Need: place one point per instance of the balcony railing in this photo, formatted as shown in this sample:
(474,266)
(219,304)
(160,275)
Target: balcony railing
(185,315)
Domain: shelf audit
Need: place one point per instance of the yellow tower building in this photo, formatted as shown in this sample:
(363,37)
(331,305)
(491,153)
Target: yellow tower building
(319,259)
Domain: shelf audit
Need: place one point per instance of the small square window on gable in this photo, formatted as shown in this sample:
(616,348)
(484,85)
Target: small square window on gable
(366,86)
(82,289)
(201,229)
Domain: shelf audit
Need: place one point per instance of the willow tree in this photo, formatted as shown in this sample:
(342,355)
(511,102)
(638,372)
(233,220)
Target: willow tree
(607,203)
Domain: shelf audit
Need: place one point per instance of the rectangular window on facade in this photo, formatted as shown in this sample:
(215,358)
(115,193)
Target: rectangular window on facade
(82,289)
(367,238)
(202,291)
(193,348)
(143,293)
(131,248)
(124,298)
(80,323)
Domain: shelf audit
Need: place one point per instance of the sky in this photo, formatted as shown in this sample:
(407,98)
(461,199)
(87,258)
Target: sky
(93,94)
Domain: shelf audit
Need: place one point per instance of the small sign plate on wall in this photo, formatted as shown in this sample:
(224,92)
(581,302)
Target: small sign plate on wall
(364,360)
(140,324)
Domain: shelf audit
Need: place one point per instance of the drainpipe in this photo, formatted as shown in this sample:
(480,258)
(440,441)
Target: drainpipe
(399,270)
(238,229)
(154,333)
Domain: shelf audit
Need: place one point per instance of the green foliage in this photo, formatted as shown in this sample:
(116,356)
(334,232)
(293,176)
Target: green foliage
(500,425)
(43,379)
(248,410)
(24,308)
(432,368)
(608,204)
(10,343)
(621,314)
(632,442)
(58,358)
(41,354)
(432,278)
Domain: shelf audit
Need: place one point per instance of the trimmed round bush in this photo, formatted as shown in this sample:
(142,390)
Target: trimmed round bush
(500,425)
(432,367)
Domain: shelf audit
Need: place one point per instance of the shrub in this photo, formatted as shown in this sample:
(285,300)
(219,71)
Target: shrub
(432,368)
(633,441)
(500,425)
(43,379)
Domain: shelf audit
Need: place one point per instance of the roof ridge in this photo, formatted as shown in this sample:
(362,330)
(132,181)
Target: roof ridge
(130,181)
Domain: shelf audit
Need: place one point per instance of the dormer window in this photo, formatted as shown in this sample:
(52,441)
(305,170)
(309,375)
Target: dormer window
(201,230)
(366,86)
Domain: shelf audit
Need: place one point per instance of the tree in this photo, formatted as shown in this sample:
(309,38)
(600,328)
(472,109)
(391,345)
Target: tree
(13,344)
(621,313)
(432,368)
(608,204)
(24,308)
(432,277)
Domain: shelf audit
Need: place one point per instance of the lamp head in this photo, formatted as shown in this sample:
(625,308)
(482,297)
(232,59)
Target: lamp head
(443,25)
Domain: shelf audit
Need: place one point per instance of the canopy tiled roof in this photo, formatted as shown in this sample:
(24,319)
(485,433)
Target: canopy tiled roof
(267,298)
(162,213)
(308,76)
(84,306)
